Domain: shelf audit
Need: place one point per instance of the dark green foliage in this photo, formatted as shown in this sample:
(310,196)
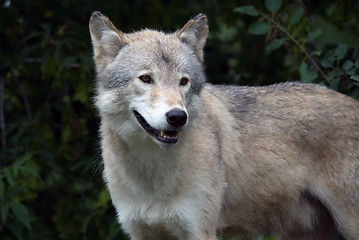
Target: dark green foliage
(324,61)
(50,166)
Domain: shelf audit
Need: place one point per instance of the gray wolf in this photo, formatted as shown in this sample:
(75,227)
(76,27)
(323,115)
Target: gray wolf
(184,159)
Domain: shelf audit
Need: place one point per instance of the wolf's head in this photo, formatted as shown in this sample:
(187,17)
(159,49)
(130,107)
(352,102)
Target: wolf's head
(148,82)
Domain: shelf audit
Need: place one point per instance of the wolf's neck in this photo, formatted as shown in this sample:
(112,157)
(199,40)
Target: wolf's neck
(153,172)
(146,166)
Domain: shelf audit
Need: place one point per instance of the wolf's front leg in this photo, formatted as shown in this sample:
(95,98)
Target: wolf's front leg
(140,231)
(204,236)
(160,232)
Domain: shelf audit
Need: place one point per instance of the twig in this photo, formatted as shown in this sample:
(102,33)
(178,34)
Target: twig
(2,112)
(298,44)
(24,98)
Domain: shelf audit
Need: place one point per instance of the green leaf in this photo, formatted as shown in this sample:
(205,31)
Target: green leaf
(336,73)
(4,208)
(273,5)
(334,83)
(86,221)
(81,93)
(355,78)
(2,189)
(356,63)
(66,62)
(248,9)
(258,28)
(29,171)
(348,64)
(104,198)
(297,15)
(9,176)
(305,74)
(113,231)
(314,34)
(21,160)
(274,44)
(327,61)
(316,53)
(334,77)
(350,72)
(21,213)
(341,51)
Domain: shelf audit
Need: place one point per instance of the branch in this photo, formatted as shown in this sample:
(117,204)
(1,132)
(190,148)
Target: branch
(298,44)
(24,98)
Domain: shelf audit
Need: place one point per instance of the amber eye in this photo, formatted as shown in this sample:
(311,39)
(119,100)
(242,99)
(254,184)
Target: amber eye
(146,78)
(184,81)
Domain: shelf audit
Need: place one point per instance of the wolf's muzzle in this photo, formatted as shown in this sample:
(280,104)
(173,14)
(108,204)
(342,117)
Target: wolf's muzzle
(168,137)
(176,117)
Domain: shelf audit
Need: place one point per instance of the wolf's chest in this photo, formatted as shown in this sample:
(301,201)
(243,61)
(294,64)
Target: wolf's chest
(163,215)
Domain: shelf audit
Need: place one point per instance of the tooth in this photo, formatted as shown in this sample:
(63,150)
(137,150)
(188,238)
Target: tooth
(162,133)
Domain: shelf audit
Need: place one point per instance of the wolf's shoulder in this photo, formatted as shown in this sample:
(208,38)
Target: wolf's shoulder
(279,88)
(281,98)
(286,90)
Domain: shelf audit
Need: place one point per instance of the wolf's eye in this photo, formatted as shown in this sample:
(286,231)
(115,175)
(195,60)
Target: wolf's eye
(183,81)
(146,78)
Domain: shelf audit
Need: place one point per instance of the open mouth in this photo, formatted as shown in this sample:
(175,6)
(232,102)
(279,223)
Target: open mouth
(169,137)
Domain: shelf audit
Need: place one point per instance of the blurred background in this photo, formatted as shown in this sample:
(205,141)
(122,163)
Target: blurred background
(50,165)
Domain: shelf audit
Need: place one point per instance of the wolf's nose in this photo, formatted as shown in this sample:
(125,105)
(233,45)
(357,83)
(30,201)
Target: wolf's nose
(176,117)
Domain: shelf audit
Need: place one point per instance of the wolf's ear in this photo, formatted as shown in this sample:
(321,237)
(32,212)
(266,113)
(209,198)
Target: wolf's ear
(195,33)
(106,40)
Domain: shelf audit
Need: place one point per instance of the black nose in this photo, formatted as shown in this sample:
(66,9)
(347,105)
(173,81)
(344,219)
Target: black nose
(176,117)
